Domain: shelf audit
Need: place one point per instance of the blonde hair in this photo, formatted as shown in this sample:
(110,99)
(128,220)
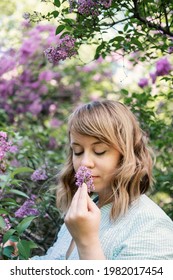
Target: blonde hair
(114,124)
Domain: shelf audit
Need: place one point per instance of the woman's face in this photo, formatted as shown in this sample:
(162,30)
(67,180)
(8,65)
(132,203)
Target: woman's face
(97,156)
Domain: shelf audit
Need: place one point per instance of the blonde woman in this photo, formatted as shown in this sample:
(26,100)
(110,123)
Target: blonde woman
(116,220)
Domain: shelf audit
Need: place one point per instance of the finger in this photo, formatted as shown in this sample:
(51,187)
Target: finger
(91,205)
(83,195)
(74,201)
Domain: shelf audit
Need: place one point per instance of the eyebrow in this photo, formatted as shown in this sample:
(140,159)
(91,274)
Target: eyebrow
(95,143)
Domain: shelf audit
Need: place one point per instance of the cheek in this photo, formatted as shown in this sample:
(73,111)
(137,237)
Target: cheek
(76,163)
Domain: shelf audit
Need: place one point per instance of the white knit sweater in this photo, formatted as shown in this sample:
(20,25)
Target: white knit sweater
(145,232)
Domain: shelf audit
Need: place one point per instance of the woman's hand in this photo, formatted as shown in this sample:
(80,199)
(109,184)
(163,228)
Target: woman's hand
(83,221)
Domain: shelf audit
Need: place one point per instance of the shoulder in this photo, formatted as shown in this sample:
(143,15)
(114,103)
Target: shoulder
(148,232)
(146,217)
(145,208)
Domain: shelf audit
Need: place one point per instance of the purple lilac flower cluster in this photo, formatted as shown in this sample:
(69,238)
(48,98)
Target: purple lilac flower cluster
(89,7)
(39,175)
(65,48)
(4,145)
(143,82)
(83,175)
(163,67)
(28,208)
(7,227)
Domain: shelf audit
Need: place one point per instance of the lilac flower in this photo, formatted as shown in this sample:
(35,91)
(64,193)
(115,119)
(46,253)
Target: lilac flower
(52,143)
(106,3)
(163,67)
(46,75)
(54,123)
(91,7)
(35,108)
(28,208)
(7,63)
(65,48)
(3,134)
(143,82)
(88,7)
(52,108)
(153,77)
(170,50)
(39,175)
(83,175)
(14,149)
(4,145)
(15,163)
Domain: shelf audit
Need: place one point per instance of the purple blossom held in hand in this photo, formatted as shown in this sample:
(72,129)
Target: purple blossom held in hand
(83,175)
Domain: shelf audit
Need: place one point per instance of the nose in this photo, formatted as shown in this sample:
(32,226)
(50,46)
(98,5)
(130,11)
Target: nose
(87,160)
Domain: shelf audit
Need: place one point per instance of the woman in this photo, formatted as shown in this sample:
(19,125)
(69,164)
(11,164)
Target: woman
(116,220)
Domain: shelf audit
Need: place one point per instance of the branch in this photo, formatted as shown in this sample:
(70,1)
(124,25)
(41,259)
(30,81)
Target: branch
(148,23)
(108,25)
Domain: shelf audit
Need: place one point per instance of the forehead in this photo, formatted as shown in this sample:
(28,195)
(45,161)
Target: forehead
(77,138)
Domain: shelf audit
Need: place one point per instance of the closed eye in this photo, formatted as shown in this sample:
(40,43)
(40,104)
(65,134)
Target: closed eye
(99,154)
(78,154)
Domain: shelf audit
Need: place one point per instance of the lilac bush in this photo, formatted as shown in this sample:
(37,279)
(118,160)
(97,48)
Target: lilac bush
(35,99)
(22,209)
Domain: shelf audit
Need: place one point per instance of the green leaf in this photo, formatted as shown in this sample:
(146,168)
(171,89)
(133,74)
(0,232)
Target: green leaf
(32,244)
(23,249)
(24,224)
(7,235)
(20,170)
(57,3)
(7,251)
(98,50)
(119,39)
(55,14)
(8,202)
(2,223)
(18,192)
(4,180)
(59,29)
(3,211)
